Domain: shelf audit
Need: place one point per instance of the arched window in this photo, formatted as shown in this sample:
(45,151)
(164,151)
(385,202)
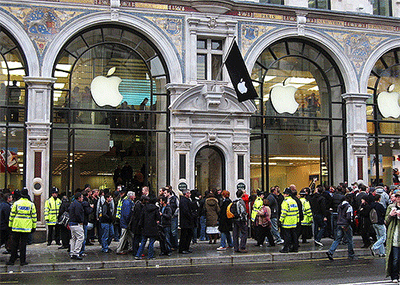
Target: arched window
(110,123)
(12,112)
(383,121)
(298,132)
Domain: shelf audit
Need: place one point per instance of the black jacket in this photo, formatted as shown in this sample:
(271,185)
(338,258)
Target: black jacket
(135,219)
(149,219)
(273,204)
(87,210)
(187,220)
(63,207)
(225,224)
(76,212)
(345,214)
(337,199)
(380,211)
(166,216)
(5,210)
(107,215)
(318,204)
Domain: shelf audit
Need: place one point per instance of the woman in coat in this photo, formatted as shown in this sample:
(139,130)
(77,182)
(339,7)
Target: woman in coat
(392,221)
(225,224)
(212,210)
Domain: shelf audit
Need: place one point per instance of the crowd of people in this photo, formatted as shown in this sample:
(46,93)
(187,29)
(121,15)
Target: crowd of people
(278,217)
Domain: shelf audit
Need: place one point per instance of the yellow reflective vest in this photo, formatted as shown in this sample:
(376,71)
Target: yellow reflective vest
(119,207)
(23,216)
(258,203)
(307,214)
(51,209)
(289,213)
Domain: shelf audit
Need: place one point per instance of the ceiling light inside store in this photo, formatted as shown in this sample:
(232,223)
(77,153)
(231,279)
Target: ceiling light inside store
(294,158)
(65,67)
(268,78)
(59,85)
(315,88)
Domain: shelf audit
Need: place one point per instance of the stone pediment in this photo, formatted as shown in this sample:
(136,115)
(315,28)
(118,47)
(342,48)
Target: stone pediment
(202,98)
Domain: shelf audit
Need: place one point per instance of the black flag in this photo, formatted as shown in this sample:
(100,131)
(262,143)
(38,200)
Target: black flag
(239,75)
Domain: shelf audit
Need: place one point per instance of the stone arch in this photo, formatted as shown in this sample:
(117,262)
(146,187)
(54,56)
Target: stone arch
(327,43)
(20,35)
(150,31)
(373,58)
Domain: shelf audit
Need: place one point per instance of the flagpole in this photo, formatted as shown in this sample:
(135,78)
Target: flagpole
(223,62)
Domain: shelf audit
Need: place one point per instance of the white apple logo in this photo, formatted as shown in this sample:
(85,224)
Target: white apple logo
(105,89)
(282,98)
(388,103)
(242,86)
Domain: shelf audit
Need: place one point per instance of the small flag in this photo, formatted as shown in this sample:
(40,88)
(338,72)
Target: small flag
(239,75)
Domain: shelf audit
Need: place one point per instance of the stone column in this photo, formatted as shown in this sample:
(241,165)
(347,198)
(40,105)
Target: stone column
(38,140)
(357,135)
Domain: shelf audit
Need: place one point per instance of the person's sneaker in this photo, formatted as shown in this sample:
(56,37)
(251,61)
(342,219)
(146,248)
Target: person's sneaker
(372,251)
(280,242)
(221,248)
(395,281)
(382,255)
(242,250)
(329,255)
(318,243)
(23,263)
(138,258)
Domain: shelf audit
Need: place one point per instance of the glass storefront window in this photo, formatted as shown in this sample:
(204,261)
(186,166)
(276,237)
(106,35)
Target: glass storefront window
(299,125)
(109,105)
(383,120)
(12,113)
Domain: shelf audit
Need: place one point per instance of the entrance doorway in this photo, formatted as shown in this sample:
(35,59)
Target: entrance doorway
(209,169)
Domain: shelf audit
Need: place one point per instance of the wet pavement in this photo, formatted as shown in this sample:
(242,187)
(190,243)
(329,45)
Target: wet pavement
(49,258)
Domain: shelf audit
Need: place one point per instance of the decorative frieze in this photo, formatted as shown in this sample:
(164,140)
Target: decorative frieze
(182,145)
(239,147)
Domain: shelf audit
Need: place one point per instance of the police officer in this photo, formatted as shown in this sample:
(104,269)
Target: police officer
(51,209)
(289,219)
(22,223)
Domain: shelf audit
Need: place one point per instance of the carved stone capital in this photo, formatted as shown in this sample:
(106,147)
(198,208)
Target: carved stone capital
(182,145)
(38,134)
(240,146)
(359,149)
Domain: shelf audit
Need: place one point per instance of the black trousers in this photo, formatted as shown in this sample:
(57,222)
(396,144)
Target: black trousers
(65,236)
(19,241)
(290,237)
(56,229)
(186,237)
(262,233)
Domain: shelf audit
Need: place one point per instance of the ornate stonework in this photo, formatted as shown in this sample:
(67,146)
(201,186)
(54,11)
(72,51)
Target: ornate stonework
(240,147)
(182,145)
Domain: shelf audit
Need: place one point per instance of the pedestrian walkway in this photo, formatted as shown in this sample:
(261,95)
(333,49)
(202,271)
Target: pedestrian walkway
(49,258)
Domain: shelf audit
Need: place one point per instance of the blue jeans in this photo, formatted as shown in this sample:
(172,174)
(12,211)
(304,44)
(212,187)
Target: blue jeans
(319,227)
(226,236)
(275,230)
(344,232)
(150,254)
(174,232)
(203,235)
(394,270)
(380,231)
(84,241)
(107,234)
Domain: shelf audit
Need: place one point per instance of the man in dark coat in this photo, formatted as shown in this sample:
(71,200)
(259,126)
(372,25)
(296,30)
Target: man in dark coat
(149,220)
(5,209)
(318,208)
(134,223)
(186,222)
(106,219)
(76,217)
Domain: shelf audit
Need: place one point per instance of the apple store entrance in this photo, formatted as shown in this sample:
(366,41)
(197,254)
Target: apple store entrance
(110,112)
(383,123)
(298,131)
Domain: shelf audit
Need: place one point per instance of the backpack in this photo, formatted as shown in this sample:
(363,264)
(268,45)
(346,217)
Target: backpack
(232,211)
(373,216)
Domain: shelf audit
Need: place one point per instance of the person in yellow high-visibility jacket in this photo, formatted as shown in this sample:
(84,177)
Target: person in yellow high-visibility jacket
(257,205)
(51,209)
(289,219)
(306,223)
(22,222)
